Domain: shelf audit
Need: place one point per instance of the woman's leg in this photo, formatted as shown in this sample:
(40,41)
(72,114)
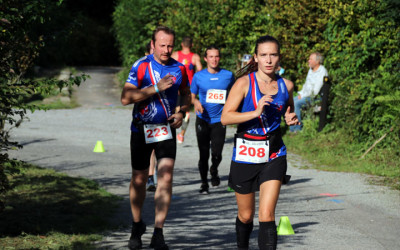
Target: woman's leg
(244,220)
(269,194)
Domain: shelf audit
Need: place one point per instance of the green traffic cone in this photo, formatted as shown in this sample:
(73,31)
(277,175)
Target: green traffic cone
(284,227)
(99,148)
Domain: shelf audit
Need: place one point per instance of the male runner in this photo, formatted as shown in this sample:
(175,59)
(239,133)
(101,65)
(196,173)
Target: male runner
(153,85)
(211,85)
(190,60)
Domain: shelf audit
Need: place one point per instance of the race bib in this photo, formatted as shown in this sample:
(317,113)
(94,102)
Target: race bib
(157,132)
(252,151)
(216,96)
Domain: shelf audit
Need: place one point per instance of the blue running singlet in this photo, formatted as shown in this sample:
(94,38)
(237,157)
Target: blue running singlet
(270,119)
(145,73)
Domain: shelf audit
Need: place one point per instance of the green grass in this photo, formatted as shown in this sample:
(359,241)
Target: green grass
(334,151)
(56,103)
(49,210)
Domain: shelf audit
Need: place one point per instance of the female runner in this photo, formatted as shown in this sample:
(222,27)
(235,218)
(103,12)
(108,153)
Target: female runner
(256,103)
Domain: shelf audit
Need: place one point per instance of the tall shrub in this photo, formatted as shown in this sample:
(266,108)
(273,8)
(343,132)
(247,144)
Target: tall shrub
(363,58)
(21,39)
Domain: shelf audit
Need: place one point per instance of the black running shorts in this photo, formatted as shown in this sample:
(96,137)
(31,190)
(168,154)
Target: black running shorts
(141,152)
(247,178)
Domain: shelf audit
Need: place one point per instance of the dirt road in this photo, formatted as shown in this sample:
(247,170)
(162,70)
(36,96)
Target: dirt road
(327,210)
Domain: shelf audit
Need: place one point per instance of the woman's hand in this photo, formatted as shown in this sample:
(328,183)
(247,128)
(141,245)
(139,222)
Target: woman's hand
(264,101)
(291,118)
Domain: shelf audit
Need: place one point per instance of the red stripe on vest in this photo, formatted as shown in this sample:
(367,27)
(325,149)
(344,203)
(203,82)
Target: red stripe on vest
(141,72)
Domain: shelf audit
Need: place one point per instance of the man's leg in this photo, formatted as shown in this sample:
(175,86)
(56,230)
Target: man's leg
(203,142)
(162,196)
(218,132)
(162,200)
(140,156)
(181,136)
(151,185)
(298,104)
(137,192)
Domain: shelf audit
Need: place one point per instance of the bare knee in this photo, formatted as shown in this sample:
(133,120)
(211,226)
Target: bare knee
(165,169)
(165,177)
(246,216)
(266,215)
(138,179)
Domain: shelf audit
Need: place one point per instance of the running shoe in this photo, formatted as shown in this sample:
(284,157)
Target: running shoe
(215,181)
(150,186)
(158,242)
(204,189)
(180,138)
(135,241)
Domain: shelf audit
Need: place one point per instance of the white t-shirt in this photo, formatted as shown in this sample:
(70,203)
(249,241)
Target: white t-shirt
(314,82)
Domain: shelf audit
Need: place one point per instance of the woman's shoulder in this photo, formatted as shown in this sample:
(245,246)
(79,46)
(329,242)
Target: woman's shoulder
(289,84)
(243,81)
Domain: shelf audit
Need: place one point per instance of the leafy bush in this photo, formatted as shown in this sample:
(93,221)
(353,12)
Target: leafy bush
(358,38)
(21,41)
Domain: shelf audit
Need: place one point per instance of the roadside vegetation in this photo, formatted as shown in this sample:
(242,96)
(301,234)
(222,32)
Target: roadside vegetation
(50,210)
(330,151)
(360,42)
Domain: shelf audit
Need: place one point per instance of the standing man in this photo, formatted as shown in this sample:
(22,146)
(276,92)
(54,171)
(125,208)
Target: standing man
(190,60)
(153,85)
(211,85)
(314,82)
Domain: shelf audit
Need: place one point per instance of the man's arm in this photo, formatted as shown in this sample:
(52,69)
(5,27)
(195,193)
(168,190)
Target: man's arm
(319,80)
(175,55)
(198,108)
(307,88)
(185,98)
(197,62)
(132,94)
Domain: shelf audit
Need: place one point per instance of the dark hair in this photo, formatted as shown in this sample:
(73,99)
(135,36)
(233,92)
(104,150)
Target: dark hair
(187,41)
(252,65)
(210,48)
(162,28)
(148,47)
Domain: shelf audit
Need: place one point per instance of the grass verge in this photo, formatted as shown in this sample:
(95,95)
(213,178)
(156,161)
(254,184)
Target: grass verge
(334,151)
(50,210)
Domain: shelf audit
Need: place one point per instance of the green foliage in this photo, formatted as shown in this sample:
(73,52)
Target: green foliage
(20,43)
(363,59)
(134,22)
(49,210)
(335,152)
(359,39)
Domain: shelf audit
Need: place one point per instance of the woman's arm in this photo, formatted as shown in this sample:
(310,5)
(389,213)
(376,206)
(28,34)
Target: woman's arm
(230,115)
(290,115)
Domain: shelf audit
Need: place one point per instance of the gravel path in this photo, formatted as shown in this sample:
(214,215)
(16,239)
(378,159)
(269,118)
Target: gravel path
(327,210)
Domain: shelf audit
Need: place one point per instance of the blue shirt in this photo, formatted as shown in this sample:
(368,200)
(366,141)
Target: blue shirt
(270,119)
(144,74)
(204,81)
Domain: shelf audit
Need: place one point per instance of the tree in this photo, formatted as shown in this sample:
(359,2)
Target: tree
(21,38)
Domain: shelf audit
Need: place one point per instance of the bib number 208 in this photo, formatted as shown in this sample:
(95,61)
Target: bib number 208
(252,151)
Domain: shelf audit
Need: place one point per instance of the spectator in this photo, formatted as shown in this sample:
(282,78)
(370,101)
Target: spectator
(312,86)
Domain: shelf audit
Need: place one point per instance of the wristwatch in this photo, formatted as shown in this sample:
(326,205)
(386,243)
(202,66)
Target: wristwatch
(183,113)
